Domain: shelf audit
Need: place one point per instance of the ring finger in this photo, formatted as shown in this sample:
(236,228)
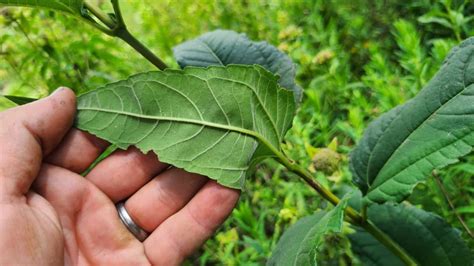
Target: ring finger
(163,196)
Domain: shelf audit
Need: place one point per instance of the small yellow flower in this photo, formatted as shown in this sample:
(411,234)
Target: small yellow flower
(283,47)
(288,214)
(230,236)
(323,56)
(290,32)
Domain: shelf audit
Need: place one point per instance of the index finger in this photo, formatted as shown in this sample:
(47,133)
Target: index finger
(77,151)
(29,132)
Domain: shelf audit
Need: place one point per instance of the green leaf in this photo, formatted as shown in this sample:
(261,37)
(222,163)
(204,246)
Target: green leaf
(362,153)
(216,121)
(5,104)
(19,100)
(426,19)
(430,131)
(74,7)
(224,47)
(465,209)
(423,235)
(299,244)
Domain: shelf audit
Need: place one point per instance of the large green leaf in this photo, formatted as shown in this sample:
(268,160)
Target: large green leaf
(68,6)
(224,47)
(216,121)
(299,244)
(430,131)
(360,157)
(423,235)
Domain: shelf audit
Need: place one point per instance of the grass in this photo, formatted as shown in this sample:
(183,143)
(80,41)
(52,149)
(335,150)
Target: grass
(354,60)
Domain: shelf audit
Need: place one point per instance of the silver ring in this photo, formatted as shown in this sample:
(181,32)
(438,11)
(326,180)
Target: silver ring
(127,220)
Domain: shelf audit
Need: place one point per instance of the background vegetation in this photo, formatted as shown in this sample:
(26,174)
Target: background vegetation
(356,59)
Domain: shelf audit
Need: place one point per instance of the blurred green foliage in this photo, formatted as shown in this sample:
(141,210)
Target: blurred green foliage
(356,59)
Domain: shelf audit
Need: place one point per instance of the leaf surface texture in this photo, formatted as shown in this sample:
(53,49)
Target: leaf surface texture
(224,47)
(216,121)
(432,130)
(423,235)
(299,244)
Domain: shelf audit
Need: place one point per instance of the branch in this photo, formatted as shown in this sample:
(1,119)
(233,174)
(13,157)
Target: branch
(118,12)
(451,205)
(116,27)
(354,217)
(126,36)
(104,18)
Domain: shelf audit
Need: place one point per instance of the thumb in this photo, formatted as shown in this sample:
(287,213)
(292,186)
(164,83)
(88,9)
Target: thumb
(29,132)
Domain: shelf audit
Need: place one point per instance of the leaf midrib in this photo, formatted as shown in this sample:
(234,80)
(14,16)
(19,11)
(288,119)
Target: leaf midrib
(433,236)
(65,6)
(251,88)
(270,118)
(415,162)
(251,133)
(212,52)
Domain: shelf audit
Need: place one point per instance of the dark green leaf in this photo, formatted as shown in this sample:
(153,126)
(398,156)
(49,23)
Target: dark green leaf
(430,131)
(423,235)
(69,6)
(224,47)
(19,100)
(361,155)
(299,244)
(216,121)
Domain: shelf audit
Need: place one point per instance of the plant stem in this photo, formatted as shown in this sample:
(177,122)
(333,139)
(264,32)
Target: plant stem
(125,35)
(450,203)
(104,18)
(325,193)
(355,217)
(118,12)
(118,29)
(308,178)
(363,211)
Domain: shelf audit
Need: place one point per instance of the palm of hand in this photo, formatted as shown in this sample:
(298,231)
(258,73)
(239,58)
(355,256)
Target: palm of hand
(52,215)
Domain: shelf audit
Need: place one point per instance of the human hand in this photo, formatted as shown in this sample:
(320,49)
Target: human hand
(51,215)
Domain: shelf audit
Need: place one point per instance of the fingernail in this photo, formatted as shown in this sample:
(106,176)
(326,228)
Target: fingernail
(58,90)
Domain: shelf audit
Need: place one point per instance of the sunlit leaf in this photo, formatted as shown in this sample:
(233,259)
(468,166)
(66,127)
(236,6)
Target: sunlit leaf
(216,121)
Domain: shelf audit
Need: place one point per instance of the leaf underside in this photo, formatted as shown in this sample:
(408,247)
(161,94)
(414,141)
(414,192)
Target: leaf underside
(224,47)
(216,121)
(432,130)
(68,6)
(299,244)
(423,235)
